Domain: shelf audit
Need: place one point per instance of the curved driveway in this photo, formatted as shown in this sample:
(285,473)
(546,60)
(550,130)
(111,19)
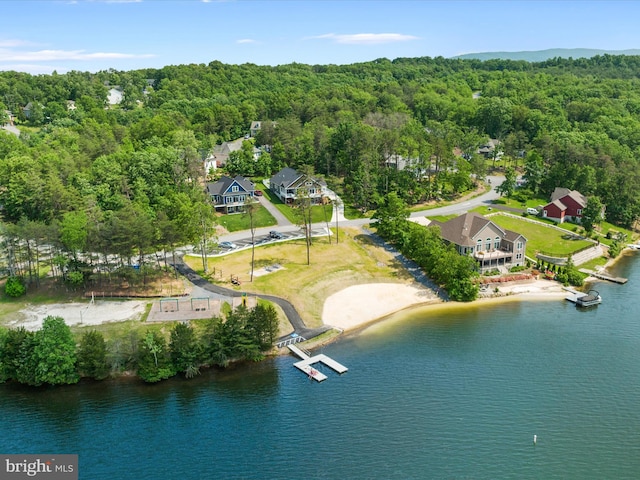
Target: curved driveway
(289,310)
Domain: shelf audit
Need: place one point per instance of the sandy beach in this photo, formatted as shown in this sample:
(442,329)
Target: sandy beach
(360,305)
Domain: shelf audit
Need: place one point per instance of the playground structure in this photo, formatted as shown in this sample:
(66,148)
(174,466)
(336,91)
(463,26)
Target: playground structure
(194,308)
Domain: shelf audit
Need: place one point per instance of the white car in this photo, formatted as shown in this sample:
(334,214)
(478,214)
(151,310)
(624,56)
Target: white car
(227,245)
(532,211)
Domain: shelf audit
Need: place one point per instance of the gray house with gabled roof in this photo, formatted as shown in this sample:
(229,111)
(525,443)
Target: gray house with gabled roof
(491,245)
(230,194)
(288,185)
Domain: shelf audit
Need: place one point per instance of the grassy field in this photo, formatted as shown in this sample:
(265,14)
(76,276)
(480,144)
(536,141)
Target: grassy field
(355,260)
(540,237)
(241,221)
(317,212)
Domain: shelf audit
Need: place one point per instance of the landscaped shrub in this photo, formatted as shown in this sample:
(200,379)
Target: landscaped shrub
(491,273)
(14,287)
(517,268)
(575,278)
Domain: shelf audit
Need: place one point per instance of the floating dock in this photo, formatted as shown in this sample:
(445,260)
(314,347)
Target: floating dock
(307,361)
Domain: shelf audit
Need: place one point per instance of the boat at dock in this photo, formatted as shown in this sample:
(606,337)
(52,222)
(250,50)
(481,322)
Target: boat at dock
(589,300)
(581,299)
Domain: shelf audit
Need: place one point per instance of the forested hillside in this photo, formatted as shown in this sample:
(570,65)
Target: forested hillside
(127,179)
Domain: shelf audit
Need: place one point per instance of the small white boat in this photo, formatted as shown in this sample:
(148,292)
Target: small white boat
(590,299)
(634,246)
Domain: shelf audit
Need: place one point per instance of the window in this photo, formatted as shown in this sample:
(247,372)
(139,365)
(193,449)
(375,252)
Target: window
(488,244)
(579,211)
(479,245)
(496,244)
(518,256)
(234,188)
(519,246)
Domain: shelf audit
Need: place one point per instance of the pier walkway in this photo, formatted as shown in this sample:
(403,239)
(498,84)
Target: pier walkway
(307,361)
(603,276)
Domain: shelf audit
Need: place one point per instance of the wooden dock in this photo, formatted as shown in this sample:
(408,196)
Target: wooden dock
(307,361)
(603,276)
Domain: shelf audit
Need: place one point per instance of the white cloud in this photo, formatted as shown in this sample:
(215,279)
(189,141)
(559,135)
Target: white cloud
(7,55)
(367,38)
(246,40)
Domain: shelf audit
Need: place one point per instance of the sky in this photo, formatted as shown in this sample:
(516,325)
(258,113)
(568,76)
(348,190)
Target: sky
(39,37)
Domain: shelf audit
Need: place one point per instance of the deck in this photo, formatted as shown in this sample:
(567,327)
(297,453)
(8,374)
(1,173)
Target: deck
(307,361)
(603,276)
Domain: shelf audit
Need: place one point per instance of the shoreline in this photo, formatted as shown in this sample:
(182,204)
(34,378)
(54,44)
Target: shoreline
(357,307)
(354,314)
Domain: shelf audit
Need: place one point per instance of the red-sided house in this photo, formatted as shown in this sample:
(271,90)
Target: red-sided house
(565,205)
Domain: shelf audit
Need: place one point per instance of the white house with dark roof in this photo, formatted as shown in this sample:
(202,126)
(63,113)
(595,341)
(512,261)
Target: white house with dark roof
(288,184)
(491,245)
(229,195)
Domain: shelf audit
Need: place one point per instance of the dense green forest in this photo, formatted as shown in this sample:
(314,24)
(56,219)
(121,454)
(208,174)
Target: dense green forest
(53,356)
(126,180)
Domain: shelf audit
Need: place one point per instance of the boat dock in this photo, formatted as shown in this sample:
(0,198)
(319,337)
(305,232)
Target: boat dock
(574,296)
(307,361)
(603,276)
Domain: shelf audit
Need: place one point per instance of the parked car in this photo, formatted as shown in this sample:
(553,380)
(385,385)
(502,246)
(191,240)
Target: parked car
(274,234)
(258,193)
(532,211)
(227,245)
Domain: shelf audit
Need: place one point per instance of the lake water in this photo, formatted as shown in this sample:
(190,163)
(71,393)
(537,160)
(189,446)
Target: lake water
(454,393)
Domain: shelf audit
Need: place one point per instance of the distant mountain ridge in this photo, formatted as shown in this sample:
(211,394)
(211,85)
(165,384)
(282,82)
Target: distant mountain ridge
(542,55)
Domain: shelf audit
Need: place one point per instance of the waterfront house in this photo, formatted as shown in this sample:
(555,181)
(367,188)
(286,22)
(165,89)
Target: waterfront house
(492,246)
(229,195)
(289,185)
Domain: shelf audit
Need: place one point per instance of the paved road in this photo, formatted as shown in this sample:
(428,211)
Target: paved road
(484,199)
(243,239)
(277,214)
(299,327)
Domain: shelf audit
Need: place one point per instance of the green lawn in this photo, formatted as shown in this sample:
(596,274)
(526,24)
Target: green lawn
(354,260)
(541,238)
(240,221)
(317,212)
(353,213)
(442,218)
